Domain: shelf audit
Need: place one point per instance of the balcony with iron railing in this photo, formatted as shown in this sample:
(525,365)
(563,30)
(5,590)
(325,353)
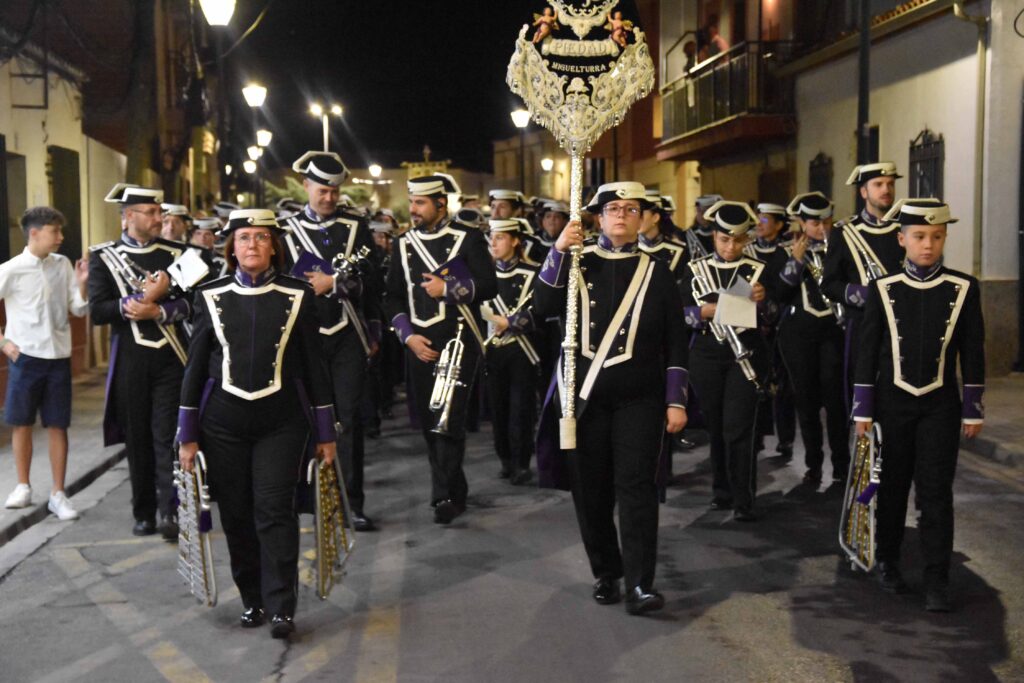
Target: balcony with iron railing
(728,102)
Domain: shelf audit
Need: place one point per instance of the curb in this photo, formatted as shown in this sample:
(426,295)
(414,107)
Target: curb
(40,512)
(993,450)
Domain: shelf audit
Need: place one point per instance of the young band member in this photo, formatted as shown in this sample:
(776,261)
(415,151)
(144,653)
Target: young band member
(345,304)
(439,274)
(727,384)
(919,325)
(512,353)
(811,341)
(512,204)
(245,400)
(40,289)
(129,289)
(631,388)
(700,237)
(656,239)
(861,249)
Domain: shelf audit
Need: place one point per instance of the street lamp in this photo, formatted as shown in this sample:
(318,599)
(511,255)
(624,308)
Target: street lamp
(228,169)
(249,165)
(263,137)
(254,94)
(217,12)
(316,110)
(521,119)
(547,163)
(253,152)
(375,170)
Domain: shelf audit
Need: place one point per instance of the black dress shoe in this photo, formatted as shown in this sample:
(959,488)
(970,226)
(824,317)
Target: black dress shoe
(718,503)
(785,451)
(744,514)
(606,591)
(446,511)
(522,477)
(639,601)
(252,617)
(890,577)
(936,599)
(144,527)
(361,522)
(812,476)
(281,626)
(168,527)
(840,470)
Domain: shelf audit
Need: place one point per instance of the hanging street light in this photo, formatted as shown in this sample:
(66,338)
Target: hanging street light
(217,12)
(263,137)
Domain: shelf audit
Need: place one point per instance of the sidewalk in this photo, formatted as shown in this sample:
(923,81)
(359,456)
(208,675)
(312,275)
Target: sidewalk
(87,458)
(1002,437)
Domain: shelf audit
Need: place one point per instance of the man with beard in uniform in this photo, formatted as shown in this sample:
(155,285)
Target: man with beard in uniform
(862,249)
(147,351)
(344,304)
(440,273)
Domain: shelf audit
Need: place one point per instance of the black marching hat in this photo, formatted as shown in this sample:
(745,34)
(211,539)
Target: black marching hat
(921,211)
(732,218)
(251,218)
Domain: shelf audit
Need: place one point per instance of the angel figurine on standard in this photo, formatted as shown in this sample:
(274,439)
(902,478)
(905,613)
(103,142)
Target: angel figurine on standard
(618,26)
(545,22)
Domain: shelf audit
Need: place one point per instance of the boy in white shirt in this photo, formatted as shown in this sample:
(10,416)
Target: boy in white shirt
(40,288)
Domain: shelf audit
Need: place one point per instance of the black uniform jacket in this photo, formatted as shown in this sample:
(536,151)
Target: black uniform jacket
(851,245)
(516,284)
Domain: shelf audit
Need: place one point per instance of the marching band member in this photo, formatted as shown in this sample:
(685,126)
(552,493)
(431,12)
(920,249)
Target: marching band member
(512,354)
(246,400)
(917,325)
(700,237)
(176,222)
(656,239)
(632,369)
(147,351)
(439,274)
(726,385)
(344,303)
(512,204)
(555,217)
(811,341)
(202,235)
(862,249)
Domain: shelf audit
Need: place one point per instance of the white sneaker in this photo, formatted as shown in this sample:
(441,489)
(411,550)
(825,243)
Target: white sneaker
(61,506)
(21,497)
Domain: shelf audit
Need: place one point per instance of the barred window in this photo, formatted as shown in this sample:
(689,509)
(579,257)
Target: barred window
(820,179)
(927,157)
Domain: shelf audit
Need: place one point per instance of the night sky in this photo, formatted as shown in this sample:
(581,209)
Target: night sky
(407,74)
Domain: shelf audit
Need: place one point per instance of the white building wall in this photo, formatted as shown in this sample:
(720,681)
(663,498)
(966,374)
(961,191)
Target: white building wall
(924,77)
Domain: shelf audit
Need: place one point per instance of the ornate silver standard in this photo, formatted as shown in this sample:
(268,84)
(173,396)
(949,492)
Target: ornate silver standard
(577,110)
(195,552)
(857,522)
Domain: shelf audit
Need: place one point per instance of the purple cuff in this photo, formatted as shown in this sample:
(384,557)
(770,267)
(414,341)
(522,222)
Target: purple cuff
(856,295)
(691,316)
(974,403)
(126,299)
(188,425)
(863,402)
(323,423)
(373,327)
(554,273)
(175,310)
(792,272)
(676,381)
(521,322)
(459,291)
(402,327)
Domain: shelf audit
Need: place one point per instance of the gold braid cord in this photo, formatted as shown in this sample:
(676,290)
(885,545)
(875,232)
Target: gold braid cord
(334,540)
(857,523)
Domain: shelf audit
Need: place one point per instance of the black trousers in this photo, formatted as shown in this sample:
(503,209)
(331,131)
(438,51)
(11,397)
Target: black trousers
(776,414)
(147,386)
(253,450)
(445,451)
(920,445)
(615,461)
(813,351)
(346,361)
(511,386)
(728,401)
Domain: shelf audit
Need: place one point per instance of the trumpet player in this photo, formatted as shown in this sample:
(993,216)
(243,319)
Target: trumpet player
(728,363)
(440,273)
(129,289)
(919,325)
(345,302)
(512,353)
(631,366)
(811,341)
(862,249)
(247,401)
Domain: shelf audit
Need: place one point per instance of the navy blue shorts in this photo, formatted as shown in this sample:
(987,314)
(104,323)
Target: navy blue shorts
(38,385)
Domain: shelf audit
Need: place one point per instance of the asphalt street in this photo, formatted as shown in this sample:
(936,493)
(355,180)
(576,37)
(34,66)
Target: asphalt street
(503,594)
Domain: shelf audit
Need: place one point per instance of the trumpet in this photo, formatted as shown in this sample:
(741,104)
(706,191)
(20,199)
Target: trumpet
(817,269)
(857,522)
(495,338)
(195,551)
(446,380)
(726,333)
(355,265)
(334,542)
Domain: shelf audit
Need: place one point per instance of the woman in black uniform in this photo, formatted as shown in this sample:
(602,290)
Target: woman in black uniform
(253,383)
